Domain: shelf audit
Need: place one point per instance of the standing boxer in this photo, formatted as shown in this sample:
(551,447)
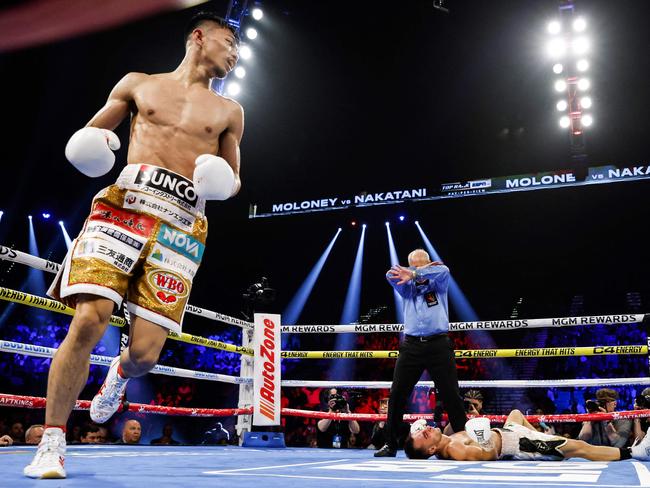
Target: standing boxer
(145,235)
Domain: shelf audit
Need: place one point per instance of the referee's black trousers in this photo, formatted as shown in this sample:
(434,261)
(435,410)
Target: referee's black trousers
(436,355)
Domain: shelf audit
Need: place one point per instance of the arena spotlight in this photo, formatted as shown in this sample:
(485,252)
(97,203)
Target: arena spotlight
(580,45)
(560,85)
(580,24)
(582,65)
(251,33)
(45,215)
(363,226)
(240,72)
(558,68)
(257,13)
(565,122)
(587,120)
(350,312)
(350,315)
(294,308)
(353,223)
(392,252)
(66,236)
(556,48)
(233,89)
(583,84)
(554,27)
(585,102)
(35,277)
(29,217)
(562,105)
(401,218)
(245,52)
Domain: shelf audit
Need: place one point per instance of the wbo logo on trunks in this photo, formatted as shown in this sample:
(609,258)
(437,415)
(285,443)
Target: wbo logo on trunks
(181,242)
(171,287)
(167,181)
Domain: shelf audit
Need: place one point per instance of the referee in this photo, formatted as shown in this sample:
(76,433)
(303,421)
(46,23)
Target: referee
(426,345)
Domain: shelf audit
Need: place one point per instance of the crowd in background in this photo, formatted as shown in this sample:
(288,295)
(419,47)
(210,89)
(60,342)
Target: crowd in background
(27,375)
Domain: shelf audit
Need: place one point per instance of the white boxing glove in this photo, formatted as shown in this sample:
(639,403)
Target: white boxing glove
(214,179)
(478,429)
(90,150)
(417,426)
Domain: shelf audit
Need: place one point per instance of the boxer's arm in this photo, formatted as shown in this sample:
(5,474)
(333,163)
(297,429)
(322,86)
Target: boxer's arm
(119,103)
(229,141)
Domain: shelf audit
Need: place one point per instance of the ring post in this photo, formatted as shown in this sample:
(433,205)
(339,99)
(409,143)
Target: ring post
(267,340)
(245,422)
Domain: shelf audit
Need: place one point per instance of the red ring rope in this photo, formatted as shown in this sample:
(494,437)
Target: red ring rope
(38,402)
(375,417)
(7,400)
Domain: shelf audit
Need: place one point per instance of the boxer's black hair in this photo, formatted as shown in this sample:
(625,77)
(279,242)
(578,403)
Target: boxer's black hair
(204,16)
(413,453)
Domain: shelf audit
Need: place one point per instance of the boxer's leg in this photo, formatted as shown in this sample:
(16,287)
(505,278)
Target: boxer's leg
(580,449)
(68,375)
(146,340)
(70,366)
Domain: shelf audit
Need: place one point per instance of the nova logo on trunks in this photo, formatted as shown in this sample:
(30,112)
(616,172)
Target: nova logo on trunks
(170,286)
(171,183)
(181,242)
(139,224)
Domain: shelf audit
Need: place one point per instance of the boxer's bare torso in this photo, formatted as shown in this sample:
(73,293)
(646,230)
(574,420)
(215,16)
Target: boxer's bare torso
(173,121)
(462,448)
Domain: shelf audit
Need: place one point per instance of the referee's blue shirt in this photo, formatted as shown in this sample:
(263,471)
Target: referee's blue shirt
(425,301)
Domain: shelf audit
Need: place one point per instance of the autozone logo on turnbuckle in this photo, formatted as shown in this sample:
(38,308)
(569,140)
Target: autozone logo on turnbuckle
(267,355)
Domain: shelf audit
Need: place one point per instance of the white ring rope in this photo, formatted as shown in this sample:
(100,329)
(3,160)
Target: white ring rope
(41,264)
(48,352)
(589,382)
(511,324)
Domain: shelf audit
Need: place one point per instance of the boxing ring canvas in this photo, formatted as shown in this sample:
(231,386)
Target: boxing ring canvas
(114,466)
